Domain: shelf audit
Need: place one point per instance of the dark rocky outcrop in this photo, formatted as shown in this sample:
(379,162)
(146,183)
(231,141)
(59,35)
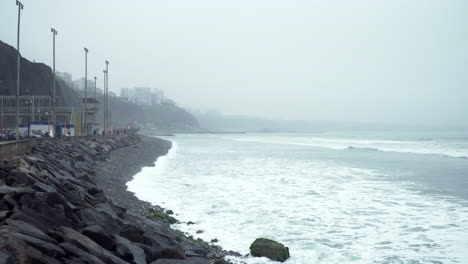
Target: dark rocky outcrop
(168,116)
(273,250)
(35,77)
(52,211)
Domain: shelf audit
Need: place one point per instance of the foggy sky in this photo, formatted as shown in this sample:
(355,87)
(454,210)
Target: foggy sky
(395,61)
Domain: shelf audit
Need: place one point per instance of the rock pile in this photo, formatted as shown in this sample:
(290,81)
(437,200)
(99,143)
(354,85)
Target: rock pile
(51,211)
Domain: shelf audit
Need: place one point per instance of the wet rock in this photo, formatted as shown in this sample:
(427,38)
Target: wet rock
(79,256)
(7,166)
(199,231)
(133,233)
(4,189)
(170,253)
(221,261)
(128,251)
(196,252)
(41,187)
(45,247)
(185,261)
(88,245)
(273,250)
(90,216)
(98,235)
(19,251)
(4,215)
(29,229)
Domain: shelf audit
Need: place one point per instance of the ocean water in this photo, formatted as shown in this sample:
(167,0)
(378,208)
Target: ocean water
(330,197)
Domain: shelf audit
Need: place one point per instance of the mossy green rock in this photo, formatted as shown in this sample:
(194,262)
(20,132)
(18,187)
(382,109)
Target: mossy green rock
(273,250)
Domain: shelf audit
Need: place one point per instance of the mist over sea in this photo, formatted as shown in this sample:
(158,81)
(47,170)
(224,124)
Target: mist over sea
(341,197)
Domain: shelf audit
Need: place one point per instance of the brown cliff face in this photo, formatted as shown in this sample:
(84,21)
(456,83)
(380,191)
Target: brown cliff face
(35,78)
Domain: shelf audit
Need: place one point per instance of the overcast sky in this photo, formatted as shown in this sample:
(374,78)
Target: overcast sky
(353,60)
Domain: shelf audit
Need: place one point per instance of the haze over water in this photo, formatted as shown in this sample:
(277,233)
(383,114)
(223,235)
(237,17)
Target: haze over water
(373,197)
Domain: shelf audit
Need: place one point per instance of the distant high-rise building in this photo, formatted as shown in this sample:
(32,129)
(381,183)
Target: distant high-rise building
(157,97)
(79,85)
(142,95)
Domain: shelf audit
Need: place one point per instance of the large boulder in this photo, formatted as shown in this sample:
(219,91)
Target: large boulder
(182,261)
(273,250)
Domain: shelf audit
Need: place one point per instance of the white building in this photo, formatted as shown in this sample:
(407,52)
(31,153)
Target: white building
(79,85)
(142,95)
(157,97)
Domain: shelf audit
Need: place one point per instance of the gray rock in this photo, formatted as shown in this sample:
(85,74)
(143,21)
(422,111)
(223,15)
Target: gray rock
(47,248)
(4,189)
(19,251)
(185,261)
(98,235)
(89,246)
(29,229)
(79,256)
(170,253)
(128,251)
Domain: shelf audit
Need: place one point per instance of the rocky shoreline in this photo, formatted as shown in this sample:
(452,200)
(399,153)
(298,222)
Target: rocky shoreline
(66,202)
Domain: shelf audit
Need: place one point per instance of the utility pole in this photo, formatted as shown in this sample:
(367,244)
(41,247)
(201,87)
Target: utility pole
(20,7)
(86,93)
(104,104)
(54,33)
(95,87)
(107,95)
(95,98)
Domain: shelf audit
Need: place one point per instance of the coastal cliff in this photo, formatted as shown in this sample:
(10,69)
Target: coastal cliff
(36,78)
(59,206)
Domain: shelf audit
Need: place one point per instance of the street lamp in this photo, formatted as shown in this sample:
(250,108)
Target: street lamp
(86,91)
(28,103)
(95,98)
(104,102)
(54,33)
(20,7)
(107,95)
(95,87)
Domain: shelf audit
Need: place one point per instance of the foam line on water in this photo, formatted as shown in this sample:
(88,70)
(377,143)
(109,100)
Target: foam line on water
(415,147)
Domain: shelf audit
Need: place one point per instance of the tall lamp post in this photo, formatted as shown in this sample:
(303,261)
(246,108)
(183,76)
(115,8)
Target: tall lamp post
(54,33)
(95,87)
(86,93)
(28,103)
(95,98)
(104,102)
(20,7)
(107,95)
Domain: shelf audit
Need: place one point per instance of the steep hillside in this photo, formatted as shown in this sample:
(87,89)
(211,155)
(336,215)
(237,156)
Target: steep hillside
(35,78)
(170,117)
